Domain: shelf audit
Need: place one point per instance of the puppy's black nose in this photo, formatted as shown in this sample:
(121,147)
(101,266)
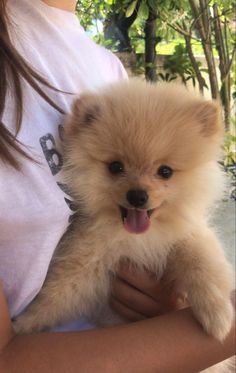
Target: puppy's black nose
(137,198)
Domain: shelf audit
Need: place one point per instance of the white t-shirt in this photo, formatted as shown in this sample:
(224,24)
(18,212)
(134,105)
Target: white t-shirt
(34,210)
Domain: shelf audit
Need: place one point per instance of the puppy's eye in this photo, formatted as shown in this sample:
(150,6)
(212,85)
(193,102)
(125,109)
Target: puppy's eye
(116,167)
(165,171)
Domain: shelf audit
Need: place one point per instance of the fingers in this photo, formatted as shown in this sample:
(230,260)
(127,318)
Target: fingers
(124,311)
(143,281)
(140,304)
(137,294)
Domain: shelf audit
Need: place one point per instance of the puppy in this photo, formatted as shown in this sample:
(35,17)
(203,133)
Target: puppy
(141,162)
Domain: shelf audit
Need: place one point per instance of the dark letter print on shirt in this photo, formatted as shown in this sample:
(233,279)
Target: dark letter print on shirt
(53,157)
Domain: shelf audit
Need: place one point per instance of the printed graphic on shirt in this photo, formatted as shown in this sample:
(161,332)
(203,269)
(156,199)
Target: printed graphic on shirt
(55,162)
(53,157)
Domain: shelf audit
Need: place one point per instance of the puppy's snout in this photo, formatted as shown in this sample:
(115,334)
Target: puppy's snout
(137,198)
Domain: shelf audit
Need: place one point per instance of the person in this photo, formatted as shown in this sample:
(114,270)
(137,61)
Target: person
(46,58)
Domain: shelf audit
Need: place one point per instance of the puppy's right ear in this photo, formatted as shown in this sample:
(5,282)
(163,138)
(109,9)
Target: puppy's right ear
(85,111)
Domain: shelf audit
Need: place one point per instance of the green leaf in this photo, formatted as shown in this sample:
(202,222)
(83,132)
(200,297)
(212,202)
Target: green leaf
(131,8)
(143,10)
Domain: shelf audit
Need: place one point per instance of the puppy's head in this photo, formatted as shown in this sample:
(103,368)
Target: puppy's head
(138,152)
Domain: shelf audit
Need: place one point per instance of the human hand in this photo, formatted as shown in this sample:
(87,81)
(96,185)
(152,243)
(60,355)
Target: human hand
(137,294)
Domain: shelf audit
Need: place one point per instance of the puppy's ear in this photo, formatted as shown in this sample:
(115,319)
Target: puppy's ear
(85,111)
(208,115)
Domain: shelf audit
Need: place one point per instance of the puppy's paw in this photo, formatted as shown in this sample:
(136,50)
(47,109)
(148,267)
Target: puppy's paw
(26,324)
(216,317)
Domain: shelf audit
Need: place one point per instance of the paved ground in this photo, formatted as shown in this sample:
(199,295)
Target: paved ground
(224,221)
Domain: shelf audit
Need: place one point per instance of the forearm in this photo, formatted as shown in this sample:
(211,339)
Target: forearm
(172,343)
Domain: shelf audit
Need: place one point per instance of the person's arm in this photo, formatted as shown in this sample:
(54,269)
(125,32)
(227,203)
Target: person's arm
(171,343)
(68,5)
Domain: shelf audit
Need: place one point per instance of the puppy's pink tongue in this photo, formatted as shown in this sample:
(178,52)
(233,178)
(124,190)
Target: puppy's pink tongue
(136,221)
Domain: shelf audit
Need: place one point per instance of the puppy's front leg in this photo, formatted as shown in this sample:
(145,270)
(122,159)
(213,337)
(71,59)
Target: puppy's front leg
(47,309)
(70,291)
(199,267)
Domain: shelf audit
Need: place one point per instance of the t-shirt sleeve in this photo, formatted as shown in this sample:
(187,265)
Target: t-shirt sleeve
(114,67)
(119,70)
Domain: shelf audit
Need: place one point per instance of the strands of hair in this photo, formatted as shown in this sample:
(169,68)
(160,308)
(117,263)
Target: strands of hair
(14,68)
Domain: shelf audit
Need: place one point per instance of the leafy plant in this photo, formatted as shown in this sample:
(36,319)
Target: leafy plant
(178,64)
(166,77)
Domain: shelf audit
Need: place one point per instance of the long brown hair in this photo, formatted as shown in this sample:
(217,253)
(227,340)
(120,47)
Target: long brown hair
(14,68)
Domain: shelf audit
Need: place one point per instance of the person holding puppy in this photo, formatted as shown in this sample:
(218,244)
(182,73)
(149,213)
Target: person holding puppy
(45,58)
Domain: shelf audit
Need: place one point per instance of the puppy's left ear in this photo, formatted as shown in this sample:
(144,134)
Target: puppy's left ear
(85,111)
(208,115)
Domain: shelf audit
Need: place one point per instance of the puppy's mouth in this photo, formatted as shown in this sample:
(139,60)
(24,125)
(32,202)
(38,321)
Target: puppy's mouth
(136,220)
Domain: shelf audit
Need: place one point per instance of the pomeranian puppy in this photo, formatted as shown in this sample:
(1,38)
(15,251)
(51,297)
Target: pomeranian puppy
(141,162)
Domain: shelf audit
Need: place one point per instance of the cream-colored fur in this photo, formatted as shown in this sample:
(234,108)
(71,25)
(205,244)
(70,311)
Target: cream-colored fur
(143,126)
